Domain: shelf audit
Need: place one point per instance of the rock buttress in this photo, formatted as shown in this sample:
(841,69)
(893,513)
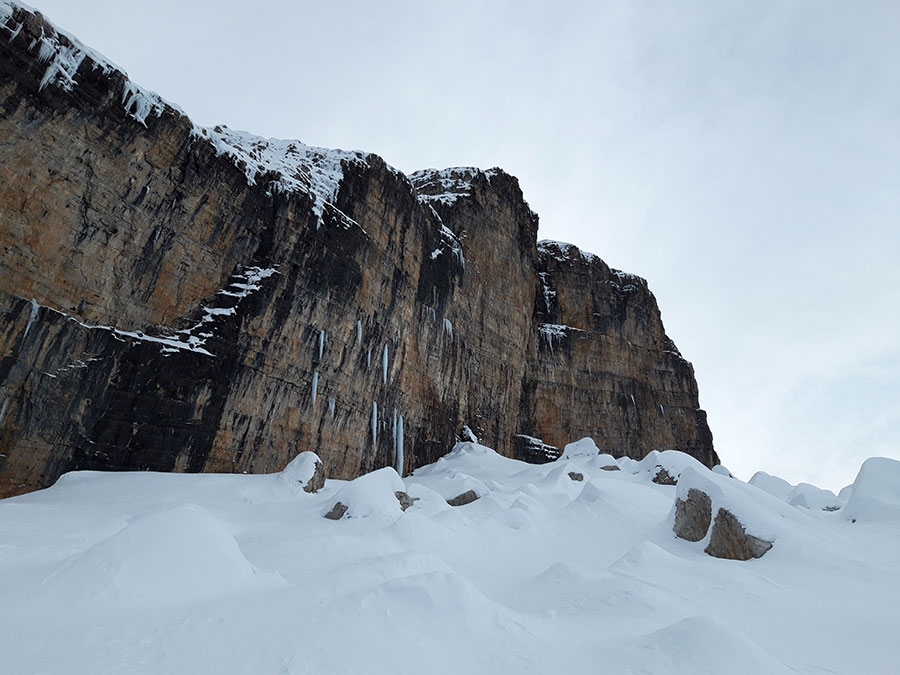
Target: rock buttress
(601,366)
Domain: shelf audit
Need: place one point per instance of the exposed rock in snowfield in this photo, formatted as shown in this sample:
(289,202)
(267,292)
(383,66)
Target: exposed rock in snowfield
(746,520)
(179,298)
(306,472)
(466,497)
(693,514)
(729,539)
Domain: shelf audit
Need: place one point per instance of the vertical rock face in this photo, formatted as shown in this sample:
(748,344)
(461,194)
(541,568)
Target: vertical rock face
(600,364)
(187,299)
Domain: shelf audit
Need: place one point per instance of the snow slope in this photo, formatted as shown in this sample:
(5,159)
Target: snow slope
(543,573)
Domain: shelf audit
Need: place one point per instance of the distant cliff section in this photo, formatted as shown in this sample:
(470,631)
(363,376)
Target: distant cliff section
(174,298)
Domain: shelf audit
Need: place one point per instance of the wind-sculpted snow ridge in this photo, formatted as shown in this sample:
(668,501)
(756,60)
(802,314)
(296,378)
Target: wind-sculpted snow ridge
(568,567)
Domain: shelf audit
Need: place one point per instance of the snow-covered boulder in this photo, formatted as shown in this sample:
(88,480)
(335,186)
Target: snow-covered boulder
(305,473)
(875,495)
(455,474)
(734,521)
(722,471)
(775,486)
(584,448)
(380,494)
(663,468)
(806,496)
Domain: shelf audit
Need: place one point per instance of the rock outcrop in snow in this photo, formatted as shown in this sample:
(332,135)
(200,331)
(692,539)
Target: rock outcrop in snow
(184,299)
(745,524)
(305,472)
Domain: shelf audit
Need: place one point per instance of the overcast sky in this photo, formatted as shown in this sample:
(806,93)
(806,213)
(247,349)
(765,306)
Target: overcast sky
(744,157)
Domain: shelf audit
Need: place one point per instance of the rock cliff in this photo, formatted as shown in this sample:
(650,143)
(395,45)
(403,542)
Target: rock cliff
(176,298)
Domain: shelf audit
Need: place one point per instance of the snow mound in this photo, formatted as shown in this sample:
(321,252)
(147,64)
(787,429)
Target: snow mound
(806,496)
(440,596)
(373,495)
(803,495)
(584,448)
(468,465)
(646,555)
(663,468)
(775,486)
(179,555)
(304,474)
(876,492)
(699,644)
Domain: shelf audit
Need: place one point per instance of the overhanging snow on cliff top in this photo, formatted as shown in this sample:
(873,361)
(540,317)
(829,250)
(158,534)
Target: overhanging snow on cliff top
(288,165)
(445,186)
(291,165)
(568,253)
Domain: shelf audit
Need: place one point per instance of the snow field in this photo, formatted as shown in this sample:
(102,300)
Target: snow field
(544,573)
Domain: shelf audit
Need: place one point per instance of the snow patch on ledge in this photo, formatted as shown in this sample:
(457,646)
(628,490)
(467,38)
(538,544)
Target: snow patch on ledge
(559,250)
(553,333)
(445,186)
(191,339)
(288,165)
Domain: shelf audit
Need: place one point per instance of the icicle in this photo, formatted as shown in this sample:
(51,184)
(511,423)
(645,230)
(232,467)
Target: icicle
(315,386)
(359,332)
(374,424)
(448,328)
(384,365)
(331,407)
(398,446)
(35,308)
(321,343)
(660,410)
(394,427)
(632,400)
(369,359)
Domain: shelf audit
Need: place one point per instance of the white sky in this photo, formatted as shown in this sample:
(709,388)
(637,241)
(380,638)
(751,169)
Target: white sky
(744,157)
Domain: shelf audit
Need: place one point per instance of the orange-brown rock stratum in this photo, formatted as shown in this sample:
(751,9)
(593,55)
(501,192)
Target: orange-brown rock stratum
(183,299)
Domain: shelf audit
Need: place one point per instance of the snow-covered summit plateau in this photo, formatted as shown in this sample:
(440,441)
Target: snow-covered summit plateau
(566,567)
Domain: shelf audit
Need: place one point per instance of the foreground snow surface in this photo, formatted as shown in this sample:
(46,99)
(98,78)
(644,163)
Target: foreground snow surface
(167,573)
